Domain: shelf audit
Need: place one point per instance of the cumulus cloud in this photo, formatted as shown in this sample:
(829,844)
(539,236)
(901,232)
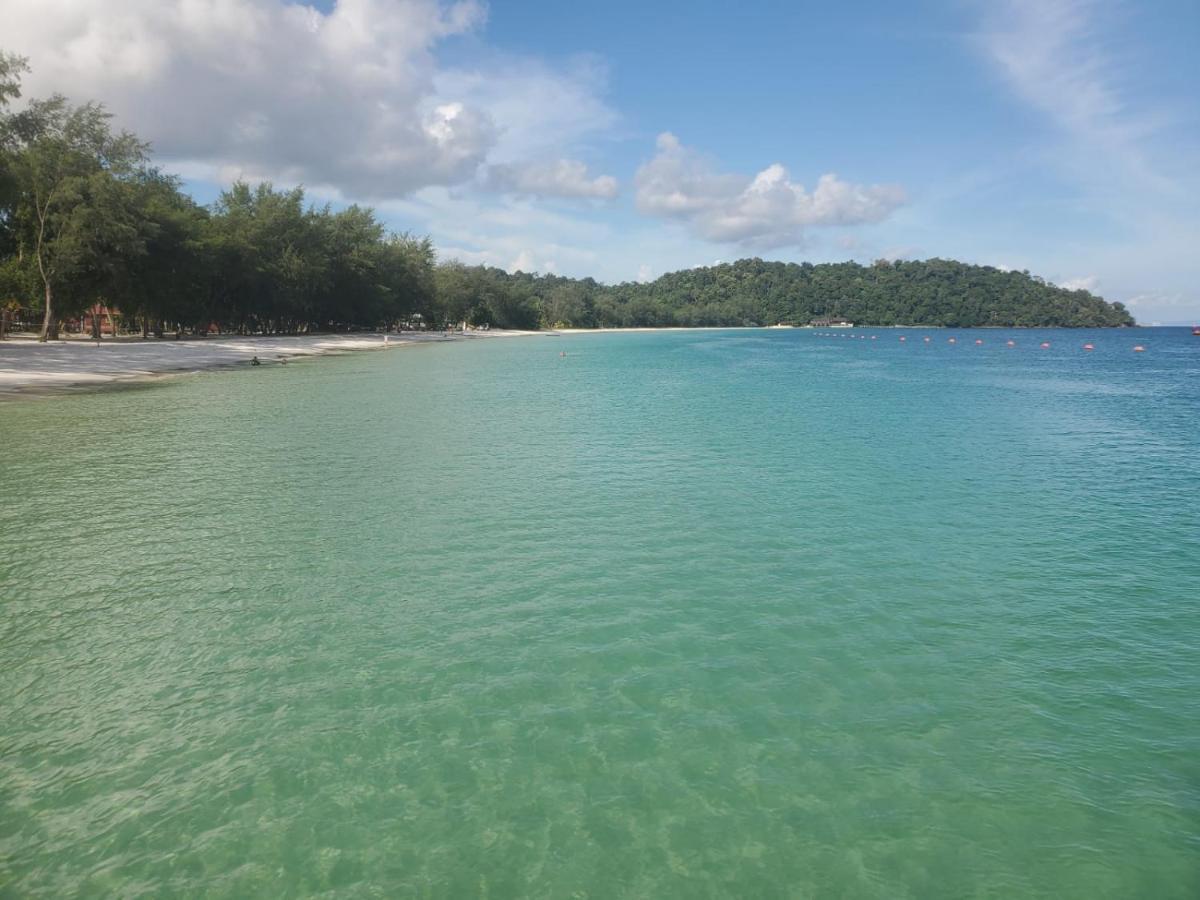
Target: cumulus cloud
(767,210)
(1087,283)
(527,262)
(347,98)
(905,251)
(561,178)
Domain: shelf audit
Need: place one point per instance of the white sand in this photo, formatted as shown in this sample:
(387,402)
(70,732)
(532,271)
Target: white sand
(27,366)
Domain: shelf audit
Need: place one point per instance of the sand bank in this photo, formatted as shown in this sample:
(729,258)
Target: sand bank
(29,367)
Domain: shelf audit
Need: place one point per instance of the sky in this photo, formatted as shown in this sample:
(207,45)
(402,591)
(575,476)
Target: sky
(623,140)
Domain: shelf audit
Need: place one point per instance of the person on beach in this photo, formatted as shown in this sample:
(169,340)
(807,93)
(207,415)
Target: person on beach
(254,361)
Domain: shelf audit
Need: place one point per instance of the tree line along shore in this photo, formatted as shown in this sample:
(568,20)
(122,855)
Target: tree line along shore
(91,231)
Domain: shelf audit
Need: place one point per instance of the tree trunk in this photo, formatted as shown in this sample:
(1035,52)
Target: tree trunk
(145,328)
(4,314)
(46,319)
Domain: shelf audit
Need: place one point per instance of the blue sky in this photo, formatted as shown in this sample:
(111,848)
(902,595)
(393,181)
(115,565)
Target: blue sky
(623,140)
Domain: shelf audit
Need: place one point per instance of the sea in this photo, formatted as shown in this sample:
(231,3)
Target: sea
(684,614)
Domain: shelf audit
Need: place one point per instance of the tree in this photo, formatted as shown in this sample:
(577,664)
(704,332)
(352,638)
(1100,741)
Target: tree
(12,274)
(162,277)
(72,211)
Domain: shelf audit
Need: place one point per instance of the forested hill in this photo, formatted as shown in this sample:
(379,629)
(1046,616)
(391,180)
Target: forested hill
(752,291)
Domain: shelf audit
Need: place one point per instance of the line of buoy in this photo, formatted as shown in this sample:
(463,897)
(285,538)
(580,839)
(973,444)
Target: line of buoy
(1044,345)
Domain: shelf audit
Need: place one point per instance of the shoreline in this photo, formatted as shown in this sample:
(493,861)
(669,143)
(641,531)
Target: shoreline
(29,368)
(73,364)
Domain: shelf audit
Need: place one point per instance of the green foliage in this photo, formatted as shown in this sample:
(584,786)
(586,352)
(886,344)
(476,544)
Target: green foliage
(276,266)
(928,292)
(69,210)
(751,291)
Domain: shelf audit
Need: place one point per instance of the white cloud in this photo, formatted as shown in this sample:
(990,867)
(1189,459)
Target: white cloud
(527,262)
(349,100)
(645,273)
(1057,55)
(1041,46)
(523,263)
(561,178)
(504,231)
(766,211)
(538,110)
(1086,283)
(1123,136)
(905,251)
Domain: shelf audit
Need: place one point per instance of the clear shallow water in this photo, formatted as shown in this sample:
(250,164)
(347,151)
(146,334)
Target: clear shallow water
(678,615)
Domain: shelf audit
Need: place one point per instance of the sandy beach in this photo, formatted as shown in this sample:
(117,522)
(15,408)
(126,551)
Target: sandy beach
(27,366)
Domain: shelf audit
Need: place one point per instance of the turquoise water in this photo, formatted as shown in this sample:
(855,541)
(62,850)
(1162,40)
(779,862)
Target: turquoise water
(692,614)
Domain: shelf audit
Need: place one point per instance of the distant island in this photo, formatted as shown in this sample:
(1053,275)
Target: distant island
(932,292)
(95,238)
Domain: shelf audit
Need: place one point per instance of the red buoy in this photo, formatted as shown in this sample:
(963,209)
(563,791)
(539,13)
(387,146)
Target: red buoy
(1045,345)
(1139,349)
(1012,343)
(978,341)
(903,338)
(952,341)
(1088,347)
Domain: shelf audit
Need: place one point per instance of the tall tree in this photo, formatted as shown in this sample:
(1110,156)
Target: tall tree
(11,273)
(73,214)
